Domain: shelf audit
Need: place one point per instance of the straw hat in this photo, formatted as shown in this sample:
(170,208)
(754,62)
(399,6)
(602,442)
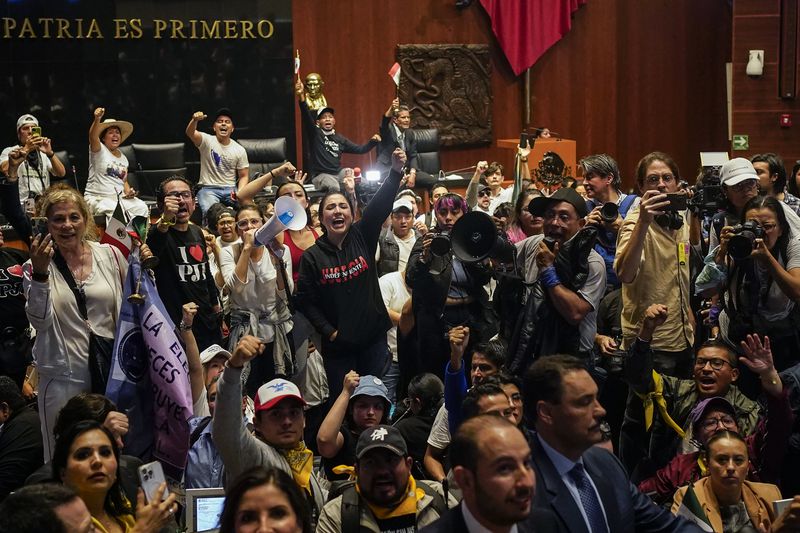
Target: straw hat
(125,128)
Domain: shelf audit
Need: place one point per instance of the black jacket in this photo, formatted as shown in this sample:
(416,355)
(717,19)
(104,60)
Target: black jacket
(338,289)
(539,521)
(21,451)
(326,150)
(389,142)
(390,252)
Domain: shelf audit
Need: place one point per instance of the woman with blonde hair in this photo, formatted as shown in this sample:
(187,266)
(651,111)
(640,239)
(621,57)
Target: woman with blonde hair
(73,289)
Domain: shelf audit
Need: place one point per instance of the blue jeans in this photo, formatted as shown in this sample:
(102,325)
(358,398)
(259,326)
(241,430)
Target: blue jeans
(209,195)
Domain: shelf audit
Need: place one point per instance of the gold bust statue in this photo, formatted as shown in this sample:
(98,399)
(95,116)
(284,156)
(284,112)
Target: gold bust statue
(314,97)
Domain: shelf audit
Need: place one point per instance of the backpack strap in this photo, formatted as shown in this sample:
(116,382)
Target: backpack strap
(198,430)
(439,504)
(625,204)
(351,512)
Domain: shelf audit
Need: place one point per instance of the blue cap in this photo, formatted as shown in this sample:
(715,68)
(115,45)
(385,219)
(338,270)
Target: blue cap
(371,386)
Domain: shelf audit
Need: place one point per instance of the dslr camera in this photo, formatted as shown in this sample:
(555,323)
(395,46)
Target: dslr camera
(440,244)
(743,241)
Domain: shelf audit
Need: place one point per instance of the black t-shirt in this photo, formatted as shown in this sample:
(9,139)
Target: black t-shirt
(399,524)
(415,429)
(12,299)
(346,455)
(183,274)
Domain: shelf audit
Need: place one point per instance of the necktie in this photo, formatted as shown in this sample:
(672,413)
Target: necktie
(401,139)
(589,500)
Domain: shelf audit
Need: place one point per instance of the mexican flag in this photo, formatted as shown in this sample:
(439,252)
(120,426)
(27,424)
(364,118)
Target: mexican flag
(116,233)
(691,510)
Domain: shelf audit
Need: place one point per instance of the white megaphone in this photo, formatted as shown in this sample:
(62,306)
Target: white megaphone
(288,215)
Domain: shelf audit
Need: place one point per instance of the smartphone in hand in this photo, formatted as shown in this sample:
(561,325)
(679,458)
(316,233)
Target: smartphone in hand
(151,476)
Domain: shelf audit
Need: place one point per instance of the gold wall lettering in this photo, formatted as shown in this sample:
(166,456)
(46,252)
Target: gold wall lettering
(135,28)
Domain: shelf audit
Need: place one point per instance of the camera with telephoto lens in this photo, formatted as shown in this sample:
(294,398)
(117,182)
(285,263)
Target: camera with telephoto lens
(440,244)
(743,241)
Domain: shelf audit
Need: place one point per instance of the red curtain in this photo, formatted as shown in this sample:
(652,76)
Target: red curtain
(525,29)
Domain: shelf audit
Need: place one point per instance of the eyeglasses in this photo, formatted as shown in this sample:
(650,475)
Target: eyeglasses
(179,194)
(727,422)
(483,193)
(744,186)
(246,223)
(654,179)
(715,362)
(226,222)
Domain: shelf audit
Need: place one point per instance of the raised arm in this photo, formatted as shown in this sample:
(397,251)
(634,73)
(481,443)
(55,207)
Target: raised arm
(248,191)
(381,205)
(191,128)
(472,188)
(630,242)
(192,351)
(638,369)
(329,437)
(94,129)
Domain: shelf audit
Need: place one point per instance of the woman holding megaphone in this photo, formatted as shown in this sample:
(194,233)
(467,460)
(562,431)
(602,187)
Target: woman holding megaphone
(338,287)
(257,288)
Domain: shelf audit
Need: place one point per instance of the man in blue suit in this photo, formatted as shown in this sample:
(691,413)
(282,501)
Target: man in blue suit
(492,464)
(583,484)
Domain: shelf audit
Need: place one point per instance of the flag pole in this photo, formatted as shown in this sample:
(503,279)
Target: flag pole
(526,109)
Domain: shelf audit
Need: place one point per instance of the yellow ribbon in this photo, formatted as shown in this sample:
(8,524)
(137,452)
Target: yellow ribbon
(702,464)
(656,396)
(406,507)
(301,461)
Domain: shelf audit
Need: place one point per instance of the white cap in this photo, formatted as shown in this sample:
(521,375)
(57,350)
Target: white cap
(402,203)
(736,171)
(274,391)
(26,119)
(212,351)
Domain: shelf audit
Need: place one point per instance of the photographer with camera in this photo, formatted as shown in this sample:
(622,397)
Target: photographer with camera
(652,262)
(756,269)
(32,162)
(565,279)
(607,207)
(447,292)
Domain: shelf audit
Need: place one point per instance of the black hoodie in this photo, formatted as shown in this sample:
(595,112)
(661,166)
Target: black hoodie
(338,289)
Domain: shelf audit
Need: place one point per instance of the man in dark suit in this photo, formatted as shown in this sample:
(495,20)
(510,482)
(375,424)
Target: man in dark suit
(584,485)
(492,465)
(396,132)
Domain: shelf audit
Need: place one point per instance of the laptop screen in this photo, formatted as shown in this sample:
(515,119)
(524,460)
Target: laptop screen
(205,506)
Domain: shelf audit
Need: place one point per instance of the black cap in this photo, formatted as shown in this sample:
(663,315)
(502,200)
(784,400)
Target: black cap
(325,110)
(386,437)
(539,205)
(223,111)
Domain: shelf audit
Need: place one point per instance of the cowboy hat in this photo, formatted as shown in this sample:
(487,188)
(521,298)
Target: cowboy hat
(125,128)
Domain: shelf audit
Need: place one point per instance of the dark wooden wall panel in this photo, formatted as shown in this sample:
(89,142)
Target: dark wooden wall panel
(756,104)
(631,77)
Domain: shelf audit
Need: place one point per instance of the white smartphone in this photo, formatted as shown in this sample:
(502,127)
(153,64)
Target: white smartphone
(151,476)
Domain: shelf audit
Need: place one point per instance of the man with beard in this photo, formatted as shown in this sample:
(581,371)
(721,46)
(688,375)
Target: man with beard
(492,465)
(183,274)
(583,484)
(386,497)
